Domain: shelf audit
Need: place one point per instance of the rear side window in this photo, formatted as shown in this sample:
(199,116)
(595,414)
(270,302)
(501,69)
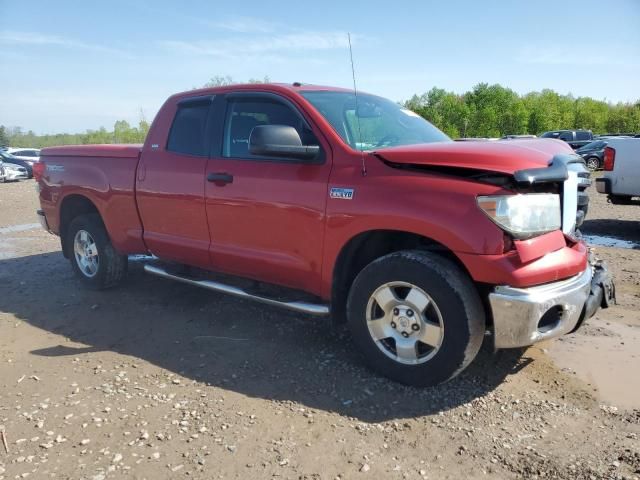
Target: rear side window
(188,131)
(583,136)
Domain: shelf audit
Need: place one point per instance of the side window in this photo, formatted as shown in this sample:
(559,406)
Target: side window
(566,136)
(243,115)
(187,133)
(583,136)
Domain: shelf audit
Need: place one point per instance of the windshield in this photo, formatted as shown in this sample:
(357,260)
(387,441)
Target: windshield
(377,123)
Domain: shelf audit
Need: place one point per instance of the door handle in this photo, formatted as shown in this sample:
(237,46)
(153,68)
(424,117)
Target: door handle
(220,178)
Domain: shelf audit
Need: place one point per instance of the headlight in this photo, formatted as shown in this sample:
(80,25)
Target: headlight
(523,216)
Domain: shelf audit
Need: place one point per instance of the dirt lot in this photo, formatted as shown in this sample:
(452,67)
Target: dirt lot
(161,380)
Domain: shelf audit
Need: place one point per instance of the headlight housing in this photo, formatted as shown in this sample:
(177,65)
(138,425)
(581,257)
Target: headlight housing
(523,215)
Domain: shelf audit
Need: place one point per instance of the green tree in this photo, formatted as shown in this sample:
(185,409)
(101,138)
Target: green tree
(224,80)
(4,138)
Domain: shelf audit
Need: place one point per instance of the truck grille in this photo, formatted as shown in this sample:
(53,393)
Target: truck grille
(575,199)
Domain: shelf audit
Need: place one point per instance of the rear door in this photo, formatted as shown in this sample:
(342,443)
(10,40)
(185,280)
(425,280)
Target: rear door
(170,187)
(266,215)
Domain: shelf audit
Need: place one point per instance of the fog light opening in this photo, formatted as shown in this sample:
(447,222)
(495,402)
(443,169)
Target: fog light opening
(550,319)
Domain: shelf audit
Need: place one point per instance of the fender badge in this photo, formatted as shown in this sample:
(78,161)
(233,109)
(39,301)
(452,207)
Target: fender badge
(341,193)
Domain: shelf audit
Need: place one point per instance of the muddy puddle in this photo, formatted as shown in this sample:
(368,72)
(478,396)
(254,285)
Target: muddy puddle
(605,355)
(604,241)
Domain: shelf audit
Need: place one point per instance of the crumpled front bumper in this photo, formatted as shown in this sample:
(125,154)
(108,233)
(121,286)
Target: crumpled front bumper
(524,316)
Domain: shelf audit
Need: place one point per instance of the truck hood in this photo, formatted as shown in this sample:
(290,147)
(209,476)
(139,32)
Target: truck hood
(506,156)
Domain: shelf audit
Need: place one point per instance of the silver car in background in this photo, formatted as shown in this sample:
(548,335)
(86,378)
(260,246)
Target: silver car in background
(10,172)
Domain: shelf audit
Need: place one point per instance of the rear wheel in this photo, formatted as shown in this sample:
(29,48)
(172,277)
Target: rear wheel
(416,317)
(593,163)
(93,258)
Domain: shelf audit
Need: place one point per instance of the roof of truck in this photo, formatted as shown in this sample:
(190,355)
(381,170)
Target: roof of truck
(273,87)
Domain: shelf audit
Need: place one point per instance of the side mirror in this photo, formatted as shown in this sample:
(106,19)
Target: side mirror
(280,141)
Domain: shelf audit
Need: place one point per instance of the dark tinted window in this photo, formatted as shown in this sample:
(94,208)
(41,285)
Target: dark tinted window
(243,115)
(583,136)
(550,135)
(598,144)
(188,130)
(566,136)
(26,153)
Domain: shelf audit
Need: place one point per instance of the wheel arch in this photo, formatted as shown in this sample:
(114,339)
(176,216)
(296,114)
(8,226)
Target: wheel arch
(365,247)
(71,207)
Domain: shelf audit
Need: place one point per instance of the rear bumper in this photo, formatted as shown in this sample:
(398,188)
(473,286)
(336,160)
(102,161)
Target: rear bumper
(12,176)
(524,316)
(603,185)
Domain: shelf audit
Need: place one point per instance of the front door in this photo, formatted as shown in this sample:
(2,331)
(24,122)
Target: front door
(266,215)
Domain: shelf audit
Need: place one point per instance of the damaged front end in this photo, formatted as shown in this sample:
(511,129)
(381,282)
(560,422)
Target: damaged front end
(526,313)
(554,309)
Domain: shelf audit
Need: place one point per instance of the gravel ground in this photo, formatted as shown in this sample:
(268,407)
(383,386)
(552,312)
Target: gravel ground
(161,380)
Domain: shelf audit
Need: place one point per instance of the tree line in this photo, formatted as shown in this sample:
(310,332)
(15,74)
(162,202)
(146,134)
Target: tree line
(494,111)
(122,132)
(484,111)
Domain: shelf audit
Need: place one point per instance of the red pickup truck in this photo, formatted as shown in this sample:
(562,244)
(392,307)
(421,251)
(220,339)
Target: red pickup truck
(341,204)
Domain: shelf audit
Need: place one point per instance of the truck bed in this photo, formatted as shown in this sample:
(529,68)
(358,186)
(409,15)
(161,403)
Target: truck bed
(104,174)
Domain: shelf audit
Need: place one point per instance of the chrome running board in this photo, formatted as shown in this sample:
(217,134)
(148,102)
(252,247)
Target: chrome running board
(304,307)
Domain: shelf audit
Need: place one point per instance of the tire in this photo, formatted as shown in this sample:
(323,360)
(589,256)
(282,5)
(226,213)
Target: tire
(453,321)
(108,268)
(593,163)
(620,199)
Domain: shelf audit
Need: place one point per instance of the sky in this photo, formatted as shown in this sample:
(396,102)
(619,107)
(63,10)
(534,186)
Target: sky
(69,66)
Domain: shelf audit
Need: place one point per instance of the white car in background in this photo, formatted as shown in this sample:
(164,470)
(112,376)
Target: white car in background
(10,172)
(621,180)
(31,155)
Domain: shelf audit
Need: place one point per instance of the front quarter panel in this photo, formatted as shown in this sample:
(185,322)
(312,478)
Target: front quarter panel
(438,207)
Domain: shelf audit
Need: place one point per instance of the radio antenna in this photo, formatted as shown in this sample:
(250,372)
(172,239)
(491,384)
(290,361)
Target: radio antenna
(355,92)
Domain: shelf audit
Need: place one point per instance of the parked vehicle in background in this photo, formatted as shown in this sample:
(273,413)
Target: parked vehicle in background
(514,137)
(11,172)
(9,158)
(593,154)
(30,155)
(419,243)
(2,173)
(621,180)
(575,138)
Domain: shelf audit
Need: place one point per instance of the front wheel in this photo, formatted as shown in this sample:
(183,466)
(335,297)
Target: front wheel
(416,317)
(94,260)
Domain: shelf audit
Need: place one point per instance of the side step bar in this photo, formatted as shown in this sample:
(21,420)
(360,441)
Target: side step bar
(304,307)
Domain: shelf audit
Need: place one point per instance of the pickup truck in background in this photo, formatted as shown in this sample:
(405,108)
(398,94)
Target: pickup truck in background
(575,138)
(342,205)
(621,180)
